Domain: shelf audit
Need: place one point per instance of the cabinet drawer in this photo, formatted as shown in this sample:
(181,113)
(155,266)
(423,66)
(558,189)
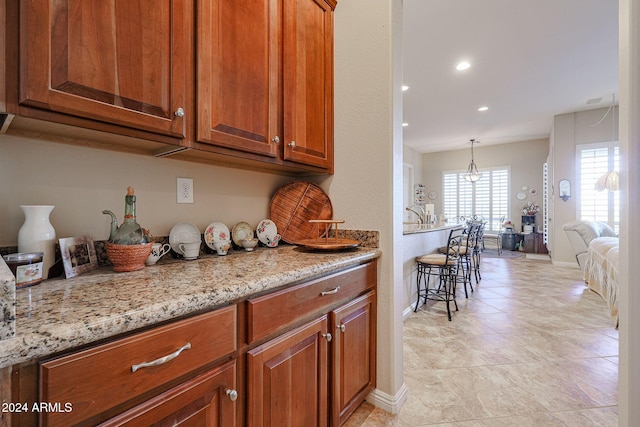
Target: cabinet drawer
(269,313)
(98,379)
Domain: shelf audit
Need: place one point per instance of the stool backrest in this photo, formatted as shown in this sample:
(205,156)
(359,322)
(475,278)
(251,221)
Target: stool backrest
(472,233)
(454,243)
(480,234)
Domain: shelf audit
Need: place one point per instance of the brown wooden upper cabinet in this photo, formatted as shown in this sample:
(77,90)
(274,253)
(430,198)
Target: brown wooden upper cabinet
(121,62)
(241,79)
(265,78)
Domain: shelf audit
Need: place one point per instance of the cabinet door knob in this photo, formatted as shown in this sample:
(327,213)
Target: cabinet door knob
(276,139)
(342,327)
(232,394)
(292,144)
(179,112)
(328,337)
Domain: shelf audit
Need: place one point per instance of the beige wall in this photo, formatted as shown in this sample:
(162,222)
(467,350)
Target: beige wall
(413,159)
(569,130)
(80,182)
(367,186)
(525,160)
(629,297)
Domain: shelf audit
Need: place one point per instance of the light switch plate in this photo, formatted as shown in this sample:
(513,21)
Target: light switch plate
(185,190)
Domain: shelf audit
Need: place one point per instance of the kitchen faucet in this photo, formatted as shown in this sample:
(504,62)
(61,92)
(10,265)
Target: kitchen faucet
(421,215)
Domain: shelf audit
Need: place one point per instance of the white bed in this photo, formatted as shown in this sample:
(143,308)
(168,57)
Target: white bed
(601,271)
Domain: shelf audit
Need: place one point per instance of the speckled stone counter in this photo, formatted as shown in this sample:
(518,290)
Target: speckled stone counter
(413,228)
(61,314)
(7,303)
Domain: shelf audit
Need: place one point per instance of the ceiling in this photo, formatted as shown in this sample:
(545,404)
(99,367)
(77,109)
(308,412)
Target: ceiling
(530,60)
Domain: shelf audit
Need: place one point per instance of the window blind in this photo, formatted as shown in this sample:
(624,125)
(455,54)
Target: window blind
(594,160)
(487,198)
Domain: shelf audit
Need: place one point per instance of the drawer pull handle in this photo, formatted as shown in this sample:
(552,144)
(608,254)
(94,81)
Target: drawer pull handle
(161,360)
(232,394)
(331,292)
(342,327)
(328,337)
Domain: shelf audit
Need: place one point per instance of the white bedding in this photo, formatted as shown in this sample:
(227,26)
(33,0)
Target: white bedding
(601,271)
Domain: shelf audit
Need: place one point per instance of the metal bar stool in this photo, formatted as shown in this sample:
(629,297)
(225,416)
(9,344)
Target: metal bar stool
(467,251)
(443,268)
(477,251)
(469,238)
(495,236)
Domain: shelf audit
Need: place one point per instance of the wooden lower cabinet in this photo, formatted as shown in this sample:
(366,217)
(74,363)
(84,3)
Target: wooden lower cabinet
(534,243)
(287,378)
(318,373)
(101,382)
(205,401)
(353,356)
(311,366)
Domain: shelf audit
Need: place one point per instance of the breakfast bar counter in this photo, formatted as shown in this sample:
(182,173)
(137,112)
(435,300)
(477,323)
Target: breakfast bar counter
(61,314)
(415,228)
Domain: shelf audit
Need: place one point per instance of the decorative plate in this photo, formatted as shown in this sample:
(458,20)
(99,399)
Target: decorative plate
(183,232)
(294,204)
(241,231)
(432,195)
(216,232)
(330,244)
(266,231)
(521,195)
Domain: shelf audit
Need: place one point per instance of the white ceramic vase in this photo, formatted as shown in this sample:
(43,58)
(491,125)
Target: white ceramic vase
(38,235)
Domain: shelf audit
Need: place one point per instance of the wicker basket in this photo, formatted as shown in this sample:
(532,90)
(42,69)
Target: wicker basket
(128,257)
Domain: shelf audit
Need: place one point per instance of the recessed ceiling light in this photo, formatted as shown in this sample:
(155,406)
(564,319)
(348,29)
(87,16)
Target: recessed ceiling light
(405,88)
(483,108)
(404,125)
(464,65)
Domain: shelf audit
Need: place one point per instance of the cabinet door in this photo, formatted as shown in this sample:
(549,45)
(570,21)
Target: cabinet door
(354,355)
(238,71)
(287,379)
(541,247)
(118,61)
(207,400)
(308,82)
(529,243)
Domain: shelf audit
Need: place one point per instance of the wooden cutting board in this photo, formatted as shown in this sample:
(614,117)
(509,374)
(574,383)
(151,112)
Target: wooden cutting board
(294,204)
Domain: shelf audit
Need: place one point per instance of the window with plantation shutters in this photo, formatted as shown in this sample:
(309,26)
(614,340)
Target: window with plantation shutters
(594,160)
(487,198)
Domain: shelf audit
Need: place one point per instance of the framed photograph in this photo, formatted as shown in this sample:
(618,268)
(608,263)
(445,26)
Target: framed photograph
(78,255)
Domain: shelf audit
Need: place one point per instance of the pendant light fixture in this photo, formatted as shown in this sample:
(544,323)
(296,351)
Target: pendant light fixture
(472,174)
(611,179)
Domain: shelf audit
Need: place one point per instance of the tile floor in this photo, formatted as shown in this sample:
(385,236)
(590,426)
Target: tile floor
(532,346)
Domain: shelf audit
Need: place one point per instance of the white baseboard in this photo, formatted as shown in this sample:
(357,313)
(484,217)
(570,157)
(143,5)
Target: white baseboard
(540,257)
(407,312)
(389,403)
(572,264)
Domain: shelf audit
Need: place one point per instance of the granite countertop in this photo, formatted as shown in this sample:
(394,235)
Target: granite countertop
(414,227)
(61,314)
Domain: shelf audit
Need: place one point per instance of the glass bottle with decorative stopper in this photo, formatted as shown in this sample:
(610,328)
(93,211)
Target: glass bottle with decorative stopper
(130,232)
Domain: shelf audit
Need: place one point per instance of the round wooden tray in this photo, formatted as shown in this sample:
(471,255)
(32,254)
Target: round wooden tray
(293,205)
(330,244)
